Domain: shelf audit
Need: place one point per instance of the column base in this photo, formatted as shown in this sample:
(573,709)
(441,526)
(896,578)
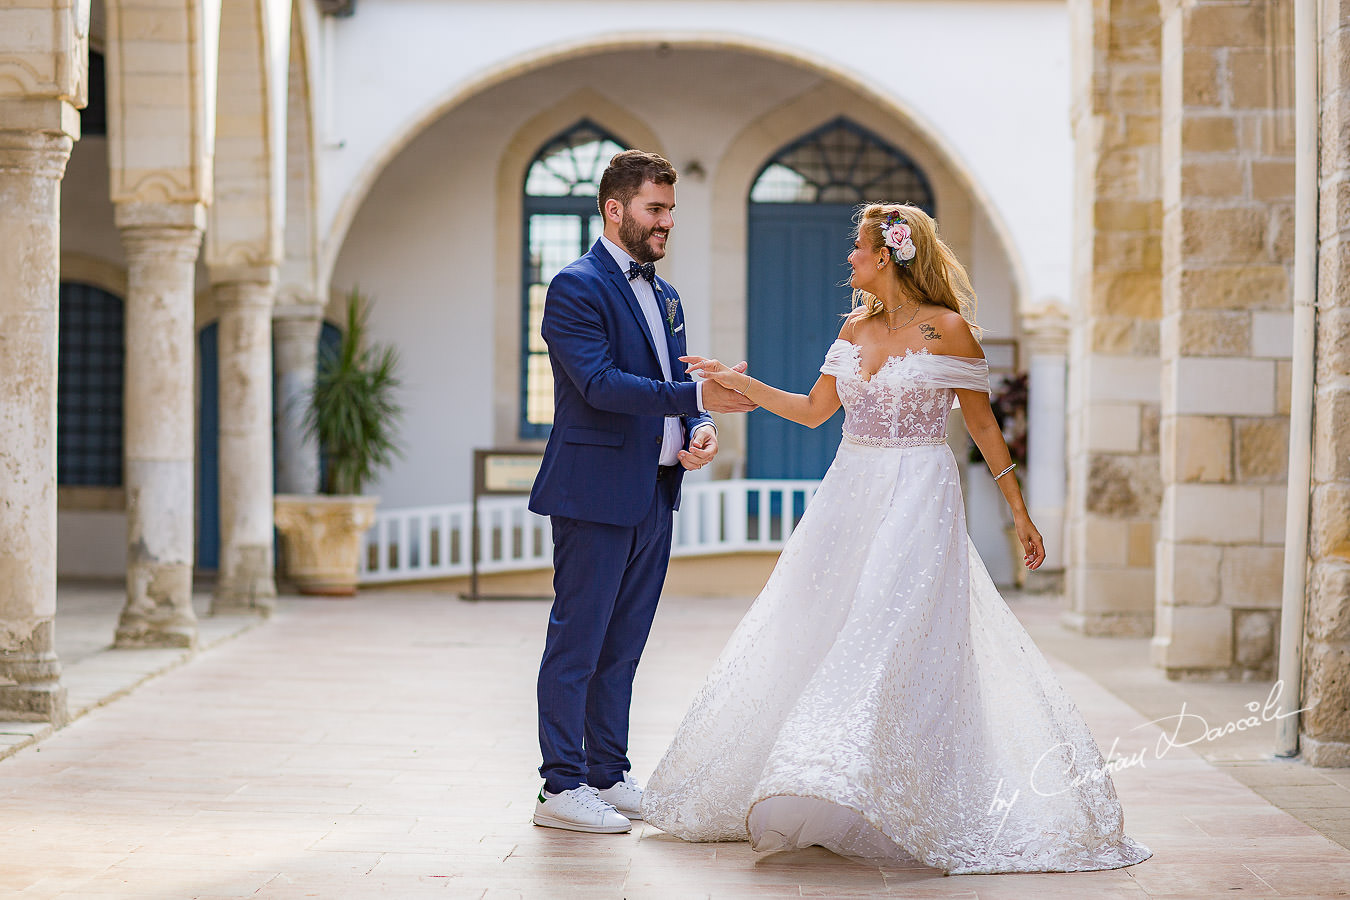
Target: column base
(1107,624)
(43,701)
(159,611)
(30,679)
(140,635)
(1043,581)
(249,587)
(1325,754)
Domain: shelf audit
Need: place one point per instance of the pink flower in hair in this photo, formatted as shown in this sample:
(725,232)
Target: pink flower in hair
(896,235)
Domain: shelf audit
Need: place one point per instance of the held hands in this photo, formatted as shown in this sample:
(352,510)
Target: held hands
(718,393)
(715,370)
(1031,542)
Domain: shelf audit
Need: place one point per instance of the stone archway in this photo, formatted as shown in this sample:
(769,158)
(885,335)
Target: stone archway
(437,237)
(338,219)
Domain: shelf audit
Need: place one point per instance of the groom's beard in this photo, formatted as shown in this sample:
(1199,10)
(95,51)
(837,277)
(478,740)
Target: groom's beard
(634,239)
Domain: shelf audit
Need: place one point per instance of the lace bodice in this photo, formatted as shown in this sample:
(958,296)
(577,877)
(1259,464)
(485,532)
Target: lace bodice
(905,404)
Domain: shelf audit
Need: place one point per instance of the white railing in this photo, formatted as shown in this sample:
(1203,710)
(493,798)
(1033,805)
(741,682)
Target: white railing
(432,542)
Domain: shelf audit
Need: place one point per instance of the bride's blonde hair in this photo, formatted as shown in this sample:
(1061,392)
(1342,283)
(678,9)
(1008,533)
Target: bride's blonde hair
(934,274)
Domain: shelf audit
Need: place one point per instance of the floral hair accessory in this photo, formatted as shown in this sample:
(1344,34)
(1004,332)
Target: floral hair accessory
(896,235)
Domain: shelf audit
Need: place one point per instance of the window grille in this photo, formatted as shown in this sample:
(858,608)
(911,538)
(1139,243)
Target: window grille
(89,366)
(841,162)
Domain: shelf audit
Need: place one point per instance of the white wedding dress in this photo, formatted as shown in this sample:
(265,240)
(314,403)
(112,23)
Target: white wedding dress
(879,698)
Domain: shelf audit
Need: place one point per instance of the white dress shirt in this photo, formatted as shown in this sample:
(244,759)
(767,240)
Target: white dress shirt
(673,441)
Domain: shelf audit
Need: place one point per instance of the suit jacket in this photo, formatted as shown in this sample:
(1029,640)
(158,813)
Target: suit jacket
(610,397)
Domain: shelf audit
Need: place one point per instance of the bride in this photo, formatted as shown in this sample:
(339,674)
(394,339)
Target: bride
(879,699)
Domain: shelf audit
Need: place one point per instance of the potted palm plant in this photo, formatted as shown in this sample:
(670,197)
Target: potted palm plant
(352,414)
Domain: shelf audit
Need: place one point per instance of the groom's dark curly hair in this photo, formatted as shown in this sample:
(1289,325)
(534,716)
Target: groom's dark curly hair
(628,171)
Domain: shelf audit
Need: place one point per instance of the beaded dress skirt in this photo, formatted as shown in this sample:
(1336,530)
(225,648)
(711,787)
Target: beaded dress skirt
(879,698)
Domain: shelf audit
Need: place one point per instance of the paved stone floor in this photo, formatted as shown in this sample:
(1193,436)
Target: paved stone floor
(384,747)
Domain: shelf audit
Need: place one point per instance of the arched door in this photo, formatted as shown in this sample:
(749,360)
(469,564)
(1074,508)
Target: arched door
(800,231)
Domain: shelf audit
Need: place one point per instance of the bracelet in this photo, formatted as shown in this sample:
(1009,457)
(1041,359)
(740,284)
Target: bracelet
(1005,471)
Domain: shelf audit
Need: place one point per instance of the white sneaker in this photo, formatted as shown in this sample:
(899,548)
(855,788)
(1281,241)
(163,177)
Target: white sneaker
(579,809)
(625,796)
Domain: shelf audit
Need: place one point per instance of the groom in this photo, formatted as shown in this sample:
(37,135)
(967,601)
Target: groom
(627,423)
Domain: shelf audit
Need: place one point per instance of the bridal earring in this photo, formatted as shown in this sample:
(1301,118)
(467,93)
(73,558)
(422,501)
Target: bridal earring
(881,264)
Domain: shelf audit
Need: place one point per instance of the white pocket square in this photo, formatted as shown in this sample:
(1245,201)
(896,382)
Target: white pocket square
(678,328)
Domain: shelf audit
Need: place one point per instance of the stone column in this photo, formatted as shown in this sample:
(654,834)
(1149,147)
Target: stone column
(161,241)
(32,162)
(1326,663)
(1113,394)
(295,343)
(246,582)
(1046,338)
(1227,165)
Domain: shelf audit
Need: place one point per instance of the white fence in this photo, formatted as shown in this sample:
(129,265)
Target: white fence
(435,541)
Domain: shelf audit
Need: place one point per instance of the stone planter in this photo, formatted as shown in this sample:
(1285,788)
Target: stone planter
(321,539)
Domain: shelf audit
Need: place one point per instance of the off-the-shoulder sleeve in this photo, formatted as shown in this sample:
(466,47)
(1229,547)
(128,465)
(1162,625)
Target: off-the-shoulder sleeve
(839,359)
(960,372)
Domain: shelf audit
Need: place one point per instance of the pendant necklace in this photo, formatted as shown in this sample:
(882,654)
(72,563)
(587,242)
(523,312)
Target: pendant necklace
(892,329)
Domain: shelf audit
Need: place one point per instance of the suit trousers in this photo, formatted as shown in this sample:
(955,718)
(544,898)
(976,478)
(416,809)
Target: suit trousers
(607,580)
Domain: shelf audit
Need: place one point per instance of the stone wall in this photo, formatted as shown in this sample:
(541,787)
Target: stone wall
(1227,175)
(1113,397)
(1326,726)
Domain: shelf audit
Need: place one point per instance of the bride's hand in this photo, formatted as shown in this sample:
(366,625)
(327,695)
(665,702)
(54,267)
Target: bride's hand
(1032,544)
(715,370)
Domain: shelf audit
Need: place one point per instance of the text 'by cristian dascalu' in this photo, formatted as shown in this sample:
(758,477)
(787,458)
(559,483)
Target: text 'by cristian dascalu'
(1184,729)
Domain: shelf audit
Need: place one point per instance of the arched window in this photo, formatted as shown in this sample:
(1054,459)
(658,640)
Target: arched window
(89,366)
(841,162)
(561,223)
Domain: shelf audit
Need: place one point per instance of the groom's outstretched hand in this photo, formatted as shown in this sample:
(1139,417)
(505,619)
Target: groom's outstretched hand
(717,398)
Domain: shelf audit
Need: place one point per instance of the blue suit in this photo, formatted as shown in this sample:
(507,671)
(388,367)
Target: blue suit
(611,513)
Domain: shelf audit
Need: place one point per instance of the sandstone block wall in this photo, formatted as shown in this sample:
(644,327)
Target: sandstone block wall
(1227,248)
(1114,488)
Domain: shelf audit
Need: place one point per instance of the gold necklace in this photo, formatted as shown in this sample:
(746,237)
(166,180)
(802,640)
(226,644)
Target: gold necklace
(892,329)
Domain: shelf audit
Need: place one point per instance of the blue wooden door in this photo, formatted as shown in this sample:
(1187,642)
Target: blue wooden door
(798,291)
(208,452)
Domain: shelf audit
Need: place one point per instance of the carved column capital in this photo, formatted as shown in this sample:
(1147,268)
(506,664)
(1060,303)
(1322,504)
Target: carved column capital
(252,293)
(1045,329)
(40,154)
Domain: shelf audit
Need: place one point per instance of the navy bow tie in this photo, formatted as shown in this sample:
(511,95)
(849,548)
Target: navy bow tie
(646,270)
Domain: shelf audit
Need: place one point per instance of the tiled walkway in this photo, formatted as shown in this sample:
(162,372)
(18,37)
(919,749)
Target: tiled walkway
(385,747)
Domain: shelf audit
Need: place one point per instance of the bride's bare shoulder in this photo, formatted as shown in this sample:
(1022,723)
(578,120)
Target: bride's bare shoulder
(949,334)
(850,327)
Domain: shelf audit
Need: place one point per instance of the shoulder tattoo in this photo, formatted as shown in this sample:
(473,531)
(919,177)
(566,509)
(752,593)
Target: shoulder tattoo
(929,332)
